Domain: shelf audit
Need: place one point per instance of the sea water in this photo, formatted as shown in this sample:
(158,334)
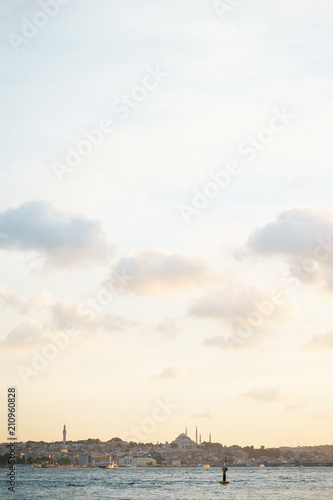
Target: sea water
(299,483)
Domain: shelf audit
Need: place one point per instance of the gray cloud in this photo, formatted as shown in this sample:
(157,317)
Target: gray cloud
(246,311)
(66,313)
(304,238)
(154,271)
(28,335)
(226,303)
(295,231)
(61,238)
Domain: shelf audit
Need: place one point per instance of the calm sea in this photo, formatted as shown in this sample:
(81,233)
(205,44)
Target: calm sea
(166,484)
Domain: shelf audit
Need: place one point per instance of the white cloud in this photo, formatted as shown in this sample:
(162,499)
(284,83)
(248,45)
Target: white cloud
(153,271)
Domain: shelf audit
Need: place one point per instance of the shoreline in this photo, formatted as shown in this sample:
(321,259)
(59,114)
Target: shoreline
(269,466)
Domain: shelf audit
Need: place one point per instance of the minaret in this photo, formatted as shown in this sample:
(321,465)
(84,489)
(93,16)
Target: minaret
(200,439)
(186,431)
(64,435)
(196,435)
(210,437)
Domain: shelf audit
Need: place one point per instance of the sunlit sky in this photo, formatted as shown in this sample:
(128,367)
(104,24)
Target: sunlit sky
(183,251)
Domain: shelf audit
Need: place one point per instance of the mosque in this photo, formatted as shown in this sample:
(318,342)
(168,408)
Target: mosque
(185,443)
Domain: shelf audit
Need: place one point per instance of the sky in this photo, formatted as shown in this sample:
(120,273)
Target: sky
(166,219)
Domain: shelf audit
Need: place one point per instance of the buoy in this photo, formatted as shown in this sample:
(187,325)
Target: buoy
(224,470)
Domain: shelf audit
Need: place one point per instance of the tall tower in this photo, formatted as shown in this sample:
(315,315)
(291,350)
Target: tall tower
(196,435)
(200,439)
(210,437)
(186,431)
(64,435)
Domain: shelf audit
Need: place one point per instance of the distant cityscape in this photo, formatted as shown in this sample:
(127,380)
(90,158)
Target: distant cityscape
(182,451)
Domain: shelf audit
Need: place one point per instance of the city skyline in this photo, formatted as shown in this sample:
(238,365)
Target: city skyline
(182,451)
(166,220)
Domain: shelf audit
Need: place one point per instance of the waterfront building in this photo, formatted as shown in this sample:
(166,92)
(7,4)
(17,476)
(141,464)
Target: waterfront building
(130,461)
(84,459)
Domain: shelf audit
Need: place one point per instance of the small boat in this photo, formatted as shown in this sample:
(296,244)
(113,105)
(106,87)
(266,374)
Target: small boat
(113,465)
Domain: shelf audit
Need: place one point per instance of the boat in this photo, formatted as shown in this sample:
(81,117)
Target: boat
(113,465)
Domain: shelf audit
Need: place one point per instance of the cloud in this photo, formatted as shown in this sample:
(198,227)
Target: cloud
(247,312)
(304,237)
(61,316)
(60,237)
(39,300)
(65,314)
(170,373)
(266,394)
(153,271)
(9,299)
(28,335)
(168,328)
(323,341)
(293,407)
(295,232)
(202,415)
(228,302)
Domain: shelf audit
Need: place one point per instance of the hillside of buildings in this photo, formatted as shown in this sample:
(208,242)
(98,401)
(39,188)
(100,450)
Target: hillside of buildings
(183,451)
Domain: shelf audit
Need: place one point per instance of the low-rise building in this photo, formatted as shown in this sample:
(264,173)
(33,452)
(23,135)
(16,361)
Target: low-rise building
(129,461)
(84,460)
